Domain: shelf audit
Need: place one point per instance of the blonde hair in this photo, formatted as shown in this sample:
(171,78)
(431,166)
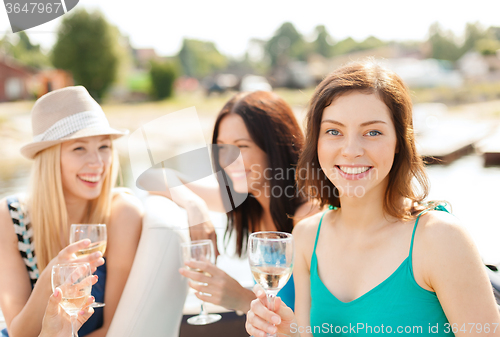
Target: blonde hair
(47,206)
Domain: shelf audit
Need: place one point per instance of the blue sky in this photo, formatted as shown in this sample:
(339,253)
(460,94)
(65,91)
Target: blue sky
(231,24)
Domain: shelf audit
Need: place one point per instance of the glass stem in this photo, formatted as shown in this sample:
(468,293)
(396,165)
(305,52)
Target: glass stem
(74,331)
(203,312)
(271,296)
(270,301)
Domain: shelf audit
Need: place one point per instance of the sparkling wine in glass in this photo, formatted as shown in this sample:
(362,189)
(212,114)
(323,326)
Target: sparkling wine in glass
(75,282)
(271,256)
(200,250)
(97,235)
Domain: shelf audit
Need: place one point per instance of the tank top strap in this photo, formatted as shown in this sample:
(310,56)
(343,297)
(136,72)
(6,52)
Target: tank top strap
(431,206)
(317,234)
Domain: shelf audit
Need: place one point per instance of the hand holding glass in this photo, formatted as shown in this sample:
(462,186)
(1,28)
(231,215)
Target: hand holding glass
(201,250)
(271,256)
(97,235)
(75,282)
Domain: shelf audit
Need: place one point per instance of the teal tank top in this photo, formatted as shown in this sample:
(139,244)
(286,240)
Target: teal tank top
(398,305)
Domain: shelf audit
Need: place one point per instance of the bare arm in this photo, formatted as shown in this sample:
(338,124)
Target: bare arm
(124,231)
(175,186)
(197,200)
(24,309)
(224,290)
(457,275)
(301,274)
(259,318)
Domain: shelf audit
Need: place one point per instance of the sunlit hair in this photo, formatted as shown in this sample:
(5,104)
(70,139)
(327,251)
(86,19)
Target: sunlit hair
(407,177)
(273,127)
(47,206)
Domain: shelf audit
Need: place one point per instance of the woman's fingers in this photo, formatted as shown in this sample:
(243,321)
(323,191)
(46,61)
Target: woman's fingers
(259,306)
(257,326)
(204,297)
(195,275)
(76,246)
(87,311)
(67,255)
(52,306)
(95,259)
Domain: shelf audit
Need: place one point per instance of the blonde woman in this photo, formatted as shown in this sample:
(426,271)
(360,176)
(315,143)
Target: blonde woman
(73,175)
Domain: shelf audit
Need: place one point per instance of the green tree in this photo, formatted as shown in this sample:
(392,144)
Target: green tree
(323,43)
(473,33)
(487,46)
(371,42)
(494,33)
(443,44)
(162,76)
(286,44)
(200,58)
(24,51)
(87,47)
(345,46)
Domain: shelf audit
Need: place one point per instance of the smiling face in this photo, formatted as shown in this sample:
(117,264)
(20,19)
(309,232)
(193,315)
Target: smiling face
(247,172)
(357,143)
(85,162)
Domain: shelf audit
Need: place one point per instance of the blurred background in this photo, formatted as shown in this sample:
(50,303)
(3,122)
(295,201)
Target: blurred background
(144,59)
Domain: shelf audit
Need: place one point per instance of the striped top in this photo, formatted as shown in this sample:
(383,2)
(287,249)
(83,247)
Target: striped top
(24,231)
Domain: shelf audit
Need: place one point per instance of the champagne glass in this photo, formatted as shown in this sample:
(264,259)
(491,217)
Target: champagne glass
(271,255)
(97,235)
(200,250)
(75,282)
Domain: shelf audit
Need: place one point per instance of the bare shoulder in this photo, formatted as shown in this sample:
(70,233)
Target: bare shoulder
(445,246)
(305,230)
(4,212)
(306,210)
(6,225)
(126,208)
(443,231)
(125,201)
(305,223)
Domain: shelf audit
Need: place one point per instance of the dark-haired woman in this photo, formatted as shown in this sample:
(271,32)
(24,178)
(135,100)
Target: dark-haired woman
(263,128)
(380,260)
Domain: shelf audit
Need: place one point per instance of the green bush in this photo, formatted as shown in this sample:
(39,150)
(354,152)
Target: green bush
(162,76)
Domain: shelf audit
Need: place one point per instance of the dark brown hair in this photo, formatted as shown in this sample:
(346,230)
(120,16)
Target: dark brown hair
(370,78)
(273,127)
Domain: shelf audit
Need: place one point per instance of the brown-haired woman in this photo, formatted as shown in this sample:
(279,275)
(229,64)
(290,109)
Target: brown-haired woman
(261,125)
(372,269)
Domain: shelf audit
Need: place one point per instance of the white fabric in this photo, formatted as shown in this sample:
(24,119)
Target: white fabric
(72,124)
(152,301)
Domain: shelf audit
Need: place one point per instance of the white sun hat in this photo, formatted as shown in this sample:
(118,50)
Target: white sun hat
(65,114)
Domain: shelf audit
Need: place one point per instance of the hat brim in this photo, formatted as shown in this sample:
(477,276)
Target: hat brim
(30,150)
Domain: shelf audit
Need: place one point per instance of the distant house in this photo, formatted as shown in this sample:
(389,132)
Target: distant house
(51,79)
(427,73)
(14,80)
(479,67)
(144,55)
(473,64)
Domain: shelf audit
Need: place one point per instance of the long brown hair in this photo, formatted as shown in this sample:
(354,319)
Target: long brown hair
(370,78)
(273,127)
